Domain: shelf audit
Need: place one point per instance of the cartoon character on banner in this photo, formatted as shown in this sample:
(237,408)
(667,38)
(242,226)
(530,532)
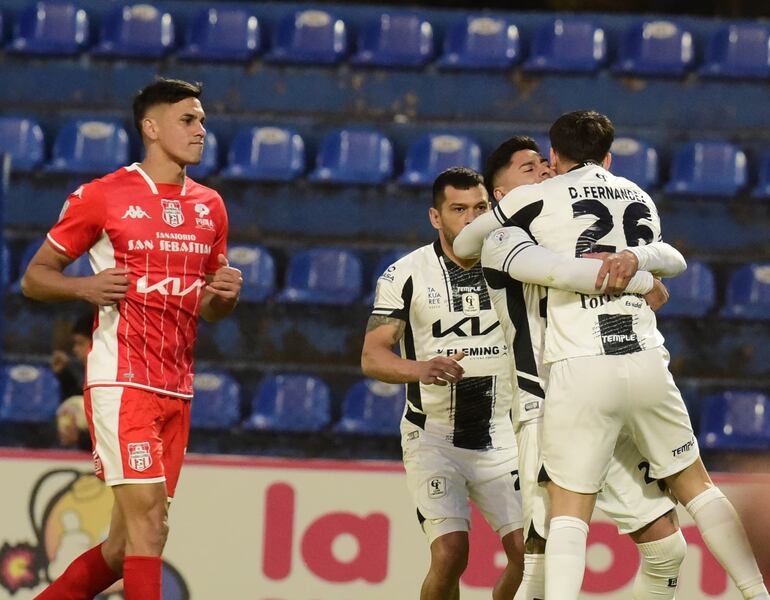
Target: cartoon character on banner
(69,511)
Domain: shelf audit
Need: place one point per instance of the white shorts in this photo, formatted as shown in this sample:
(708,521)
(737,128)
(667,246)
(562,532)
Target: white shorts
(630,497)
(591,398)
(441,478)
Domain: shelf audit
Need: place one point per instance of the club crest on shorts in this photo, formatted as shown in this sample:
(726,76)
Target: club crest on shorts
(139,457)
(172,212)
(436,487)
(471,305)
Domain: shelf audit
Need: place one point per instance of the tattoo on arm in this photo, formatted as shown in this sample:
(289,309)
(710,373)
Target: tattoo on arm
(376,321)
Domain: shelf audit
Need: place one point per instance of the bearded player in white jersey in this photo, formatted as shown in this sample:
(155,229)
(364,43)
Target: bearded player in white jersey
(516,271)
(608,366)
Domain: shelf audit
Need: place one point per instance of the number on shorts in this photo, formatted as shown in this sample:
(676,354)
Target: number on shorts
(516,484)
(644,466)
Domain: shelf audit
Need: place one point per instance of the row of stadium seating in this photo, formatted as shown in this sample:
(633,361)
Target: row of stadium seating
(391,39)
(366,157)
(329,276)
(732,420)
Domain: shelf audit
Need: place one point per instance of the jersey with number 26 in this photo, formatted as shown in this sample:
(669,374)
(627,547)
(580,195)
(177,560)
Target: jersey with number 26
(588,210)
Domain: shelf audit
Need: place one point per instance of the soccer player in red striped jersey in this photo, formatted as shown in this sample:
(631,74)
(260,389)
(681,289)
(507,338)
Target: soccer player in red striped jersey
(157,242)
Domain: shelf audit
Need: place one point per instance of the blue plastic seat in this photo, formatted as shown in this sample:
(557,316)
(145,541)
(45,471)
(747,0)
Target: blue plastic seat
(481,42)
(323,276)
(748,293)
(51,28)
(434,152)
(216,401)
(310,36)
(23,139)
(738,50)
(372,408)
(80,267)
(736,420)
(26,256)
(266,154)
(762,189)
(298,403)
(635,160)
(225,34)
(354,156)
(30,394)
(692,294)
(395,40)
(651,48)
(136,31)
(5,266)
(385,262)
(709,169)
(567,45)
(209,163)
(91,146)
(257,269)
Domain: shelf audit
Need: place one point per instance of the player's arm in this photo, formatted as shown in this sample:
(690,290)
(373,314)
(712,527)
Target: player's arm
(511,250)
(43,280)
(380,362)
(222,291)
(659,258)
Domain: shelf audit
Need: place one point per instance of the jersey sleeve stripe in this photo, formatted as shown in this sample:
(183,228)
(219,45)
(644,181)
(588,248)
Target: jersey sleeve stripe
(517,249)
(499,214)
(57,245)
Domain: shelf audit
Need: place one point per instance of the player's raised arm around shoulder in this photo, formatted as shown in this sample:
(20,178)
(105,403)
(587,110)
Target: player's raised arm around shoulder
(660,259)
(512,250)
(517,207)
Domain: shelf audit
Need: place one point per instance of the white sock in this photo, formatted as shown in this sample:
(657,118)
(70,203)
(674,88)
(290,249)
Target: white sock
(533,582)
(724,535)
(565,558)
(659,572)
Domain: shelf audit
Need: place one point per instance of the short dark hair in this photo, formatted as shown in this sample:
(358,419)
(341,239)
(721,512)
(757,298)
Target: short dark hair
(582,135)
(460,178)
(84,325)
(501,157)
(162,91)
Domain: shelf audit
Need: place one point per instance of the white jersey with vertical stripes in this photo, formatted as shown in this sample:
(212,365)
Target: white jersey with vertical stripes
(588,210)
(447,310)
(167,237)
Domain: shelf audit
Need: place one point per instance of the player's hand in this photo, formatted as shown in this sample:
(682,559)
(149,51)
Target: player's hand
(106,287)
(441,370)
(227,281)
(657,296)
(617,269)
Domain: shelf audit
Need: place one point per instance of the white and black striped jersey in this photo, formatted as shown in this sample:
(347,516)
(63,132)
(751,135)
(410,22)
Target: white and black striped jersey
(519,275)
(447,310)
(585,210)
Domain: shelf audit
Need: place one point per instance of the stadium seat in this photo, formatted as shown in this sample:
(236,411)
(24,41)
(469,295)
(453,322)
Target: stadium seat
(209,163)
(653,48)
(309,37)
(762,189)
(266,154)
(481,42)
(354,156)
(435,152)
(23,139)
(226,34)
(323,276)
(635,160)
(257,269)
(748,293)
(691,294)
(80,267)
(90,147)
(136,31)
(709,169)
(385,261)
(372,408)
(30,394)
(216,401)
(738,50)
(50,28)
(736,420)
(5,266)
(395,40)
(567,45)
(298,403)
(26,256)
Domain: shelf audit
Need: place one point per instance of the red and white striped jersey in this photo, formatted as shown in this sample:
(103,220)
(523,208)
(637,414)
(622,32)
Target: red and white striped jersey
(168,237)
